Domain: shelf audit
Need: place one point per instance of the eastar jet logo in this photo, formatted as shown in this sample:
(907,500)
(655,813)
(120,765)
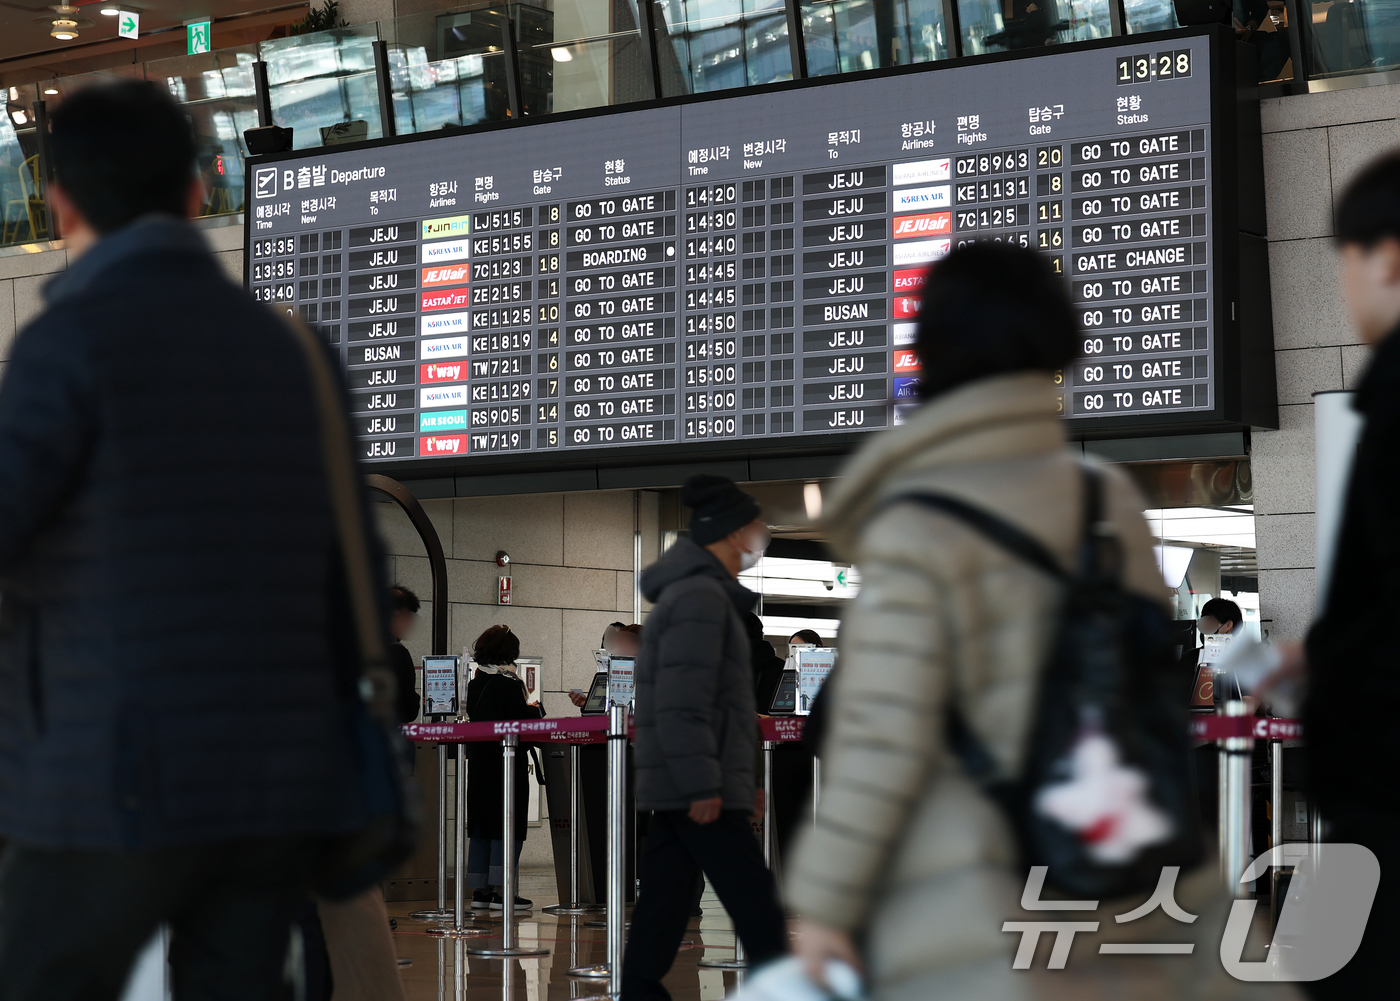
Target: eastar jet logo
(265,182)
(445,300)
(455,274)
(924,224)
(442,444)
(906,361)
(442,371)
(909,281)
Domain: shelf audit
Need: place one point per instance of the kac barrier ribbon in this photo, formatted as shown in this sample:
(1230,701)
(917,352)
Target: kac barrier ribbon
(562,730)
(1214,727)
(783,729)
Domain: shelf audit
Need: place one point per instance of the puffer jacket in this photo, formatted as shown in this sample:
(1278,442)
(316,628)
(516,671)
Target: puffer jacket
(695,735)
(907,853)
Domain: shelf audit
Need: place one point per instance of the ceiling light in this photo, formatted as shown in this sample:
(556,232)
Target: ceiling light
(50,90)
(19,117)
(561,55)
(64,30)
(111,10)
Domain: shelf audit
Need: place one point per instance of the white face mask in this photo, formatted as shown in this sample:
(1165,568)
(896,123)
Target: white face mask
(758,541)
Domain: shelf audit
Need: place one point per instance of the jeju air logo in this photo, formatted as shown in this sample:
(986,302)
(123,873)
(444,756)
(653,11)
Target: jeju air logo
(923,224)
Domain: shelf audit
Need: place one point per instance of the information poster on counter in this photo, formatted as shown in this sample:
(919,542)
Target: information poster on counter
(440,685)
(622,680)
(814,664)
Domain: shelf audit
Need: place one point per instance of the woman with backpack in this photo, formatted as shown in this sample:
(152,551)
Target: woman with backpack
(494,693)
(912,869)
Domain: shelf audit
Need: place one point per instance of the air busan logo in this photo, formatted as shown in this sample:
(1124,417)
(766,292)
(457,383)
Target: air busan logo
(924,224)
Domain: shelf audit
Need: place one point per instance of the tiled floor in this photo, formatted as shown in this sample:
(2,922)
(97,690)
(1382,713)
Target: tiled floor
(434,974)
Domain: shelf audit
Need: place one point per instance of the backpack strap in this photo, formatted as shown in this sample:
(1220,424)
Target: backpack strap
(1015,540)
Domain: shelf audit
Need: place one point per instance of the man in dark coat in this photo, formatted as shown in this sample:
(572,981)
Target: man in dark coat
(404,606)
(696,740)
(175,645)
(1350,653)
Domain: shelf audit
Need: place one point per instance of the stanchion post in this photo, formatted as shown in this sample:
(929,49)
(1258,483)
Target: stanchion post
(441,913)
(510,743)
(617,842)
(816,786)
(1234,827)
(459,928)
(616,921)
(770,840)
(1275,823)
(574,906)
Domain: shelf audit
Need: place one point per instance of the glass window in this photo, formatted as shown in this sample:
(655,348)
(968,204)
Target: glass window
(720,44)
(26,217)
(447,70)
(218,93)
(1149,15)
(595,54)
(848,35)
(1004,25)
(322,85)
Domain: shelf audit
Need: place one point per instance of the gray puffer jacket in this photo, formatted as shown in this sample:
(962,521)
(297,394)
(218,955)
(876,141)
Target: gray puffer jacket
(695,735)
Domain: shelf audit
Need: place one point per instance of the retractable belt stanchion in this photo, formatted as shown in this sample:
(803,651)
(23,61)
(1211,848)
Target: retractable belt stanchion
(574,906)
(510,744)
(1275,823)
(459,927)
(616,919)
(441,912)
(1235,754)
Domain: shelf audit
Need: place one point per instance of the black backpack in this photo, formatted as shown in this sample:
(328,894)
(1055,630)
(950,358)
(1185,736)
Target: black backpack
(1110,673)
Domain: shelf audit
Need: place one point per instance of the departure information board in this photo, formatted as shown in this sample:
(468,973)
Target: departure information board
(747,269)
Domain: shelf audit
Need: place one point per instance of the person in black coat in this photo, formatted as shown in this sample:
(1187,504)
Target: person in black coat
(405,605)
(177,658)
(495,693)
(1350,653)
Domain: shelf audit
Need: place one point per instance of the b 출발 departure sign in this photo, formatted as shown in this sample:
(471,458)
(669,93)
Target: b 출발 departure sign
(744,271)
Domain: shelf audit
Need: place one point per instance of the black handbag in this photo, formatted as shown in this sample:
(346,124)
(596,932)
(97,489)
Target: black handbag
(353,862)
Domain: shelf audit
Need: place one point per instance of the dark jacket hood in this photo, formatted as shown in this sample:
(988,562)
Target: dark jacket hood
(686,559)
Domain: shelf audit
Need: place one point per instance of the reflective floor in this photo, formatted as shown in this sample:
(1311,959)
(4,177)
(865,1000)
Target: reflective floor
(434,974)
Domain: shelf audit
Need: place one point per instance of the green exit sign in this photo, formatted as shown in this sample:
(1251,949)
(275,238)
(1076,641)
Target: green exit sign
(128,24)
(197,37)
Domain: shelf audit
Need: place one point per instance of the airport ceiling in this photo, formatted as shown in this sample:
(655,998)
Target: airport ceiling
(21,35)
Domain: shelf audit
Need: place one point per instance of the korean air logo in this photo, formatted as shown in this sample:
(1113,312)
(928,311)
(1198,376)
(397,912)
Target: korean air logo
(265,182)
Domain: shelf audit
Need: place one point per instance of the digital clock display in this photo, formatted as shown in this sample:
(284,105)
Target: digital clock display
(747,269)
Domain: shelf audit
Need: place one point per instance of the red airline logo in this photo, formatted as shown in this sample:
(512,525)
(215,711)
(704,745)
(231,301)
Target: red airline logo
(445,300)
(447,274)
(906,361)
(909,280)
(442,444)
(454,371)
(906,306)
(924,224)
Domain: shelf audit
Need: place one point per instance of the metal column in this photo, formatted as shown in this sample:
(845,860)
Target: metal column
(1235,754)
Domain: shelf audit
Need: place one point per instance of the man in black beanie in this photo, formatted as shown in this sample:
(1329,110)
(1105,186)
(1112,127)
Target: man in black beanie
(696,740)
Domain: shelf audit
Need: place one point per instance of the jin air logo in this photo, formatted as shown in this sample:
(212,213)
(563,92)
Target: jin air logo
(265,182)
